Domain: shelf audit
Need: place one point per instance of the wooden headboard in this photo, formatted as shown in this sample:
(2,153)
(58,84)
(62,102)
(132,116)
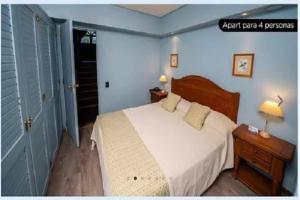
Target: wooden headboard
(203,91)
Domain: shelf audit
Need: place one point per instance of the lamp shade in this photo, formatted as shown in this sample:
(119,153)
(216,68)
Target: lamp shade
(163,79)
(271,108)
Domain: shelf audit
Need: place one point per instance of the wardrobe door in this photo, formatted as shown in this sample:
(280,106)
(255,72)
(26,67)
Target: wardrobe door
(56,80)
(47,64)
(16,165)
(54,62)
(25,23)
(58,118)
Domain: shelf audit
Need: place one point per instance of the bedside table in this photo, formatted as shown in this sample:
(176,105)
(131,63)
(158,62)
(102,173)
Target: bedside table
(156,96)
(268,156)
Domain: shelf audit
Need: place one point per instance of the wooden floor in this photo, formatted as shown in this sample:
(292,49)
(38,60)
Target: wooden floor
(76,172)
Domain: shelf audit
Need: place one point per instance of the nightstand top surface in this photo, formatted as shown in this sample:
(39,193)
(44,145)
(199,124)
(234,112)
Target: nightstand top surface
(278,147)
(159,93)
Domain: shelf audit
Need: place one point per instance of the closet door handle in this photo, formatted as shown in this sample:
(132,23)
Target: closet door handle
(37,18)
(30,121)
(26,124)
(73,86)
(44,97)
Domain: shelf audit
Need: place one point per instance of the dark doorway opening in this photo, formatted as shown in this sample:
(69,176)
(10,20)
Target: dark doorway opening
(86,75)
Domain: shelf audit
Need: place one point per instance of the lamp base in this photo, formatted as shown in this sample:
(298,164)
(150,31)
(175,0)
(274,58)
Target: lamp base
(264,134)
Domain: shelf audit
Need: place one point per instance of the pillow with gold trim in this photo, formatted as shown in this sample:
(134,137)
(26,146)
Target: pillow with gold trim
(171,102)
(196,115)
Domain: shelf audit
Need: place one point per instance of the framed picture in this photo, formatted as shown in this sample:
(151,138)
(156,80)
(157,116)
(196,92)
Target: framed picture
(243,65)
(174,60)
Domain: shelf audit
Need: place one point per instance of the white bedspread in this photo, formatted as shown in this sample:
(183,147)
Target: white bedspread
(190,159)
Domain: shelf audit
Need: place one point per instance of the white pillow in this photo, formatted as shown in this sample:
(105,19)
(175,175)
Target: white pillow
(183,105)
(219,122)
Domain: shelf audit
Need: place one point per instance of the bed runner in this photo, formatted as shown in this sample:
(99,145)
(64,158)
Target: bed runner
(131,168)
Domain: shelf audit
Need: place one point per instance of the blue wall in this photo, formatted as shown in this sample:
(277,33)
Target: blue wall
(131,64)
(208,52)
(190,15)
(115,16)
(108,15)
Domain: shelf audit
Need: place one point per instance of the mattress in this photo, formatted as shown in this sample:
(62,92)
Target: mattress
(190,159)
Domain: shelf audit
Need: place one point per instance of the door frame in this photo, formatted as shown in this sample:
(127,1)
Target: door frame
(97,58)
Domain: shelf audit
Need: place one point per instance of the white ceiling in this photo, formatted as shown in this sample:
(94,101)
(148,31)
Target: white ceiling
(158,10)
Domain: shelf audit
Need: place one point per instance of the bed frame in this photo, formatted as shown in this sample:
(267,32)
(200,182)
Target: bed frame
(203,91)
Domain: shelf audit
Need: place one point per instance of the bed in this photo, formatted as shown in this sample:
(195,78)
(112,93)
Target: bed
(147,151)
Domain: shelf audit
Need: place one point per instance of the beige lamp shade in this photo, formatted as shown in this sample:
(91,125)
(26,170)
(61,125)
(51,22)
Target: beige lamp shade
(271,108)
(163,79)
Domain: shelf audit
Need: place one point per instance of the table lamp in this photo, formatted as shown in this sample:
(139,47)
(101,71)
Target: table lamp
(270,108)
(163,80)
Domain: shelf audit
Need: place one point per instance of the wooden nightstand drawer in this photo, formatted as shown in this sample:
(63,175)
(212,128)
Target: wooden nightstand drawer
(252,151)
(263,156)
(246,148)
(255,156)
(155,98)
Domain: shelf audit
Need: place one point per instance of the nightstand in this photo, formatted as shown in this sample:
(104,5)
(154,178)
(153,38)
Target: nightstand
(258,162)
(157,95)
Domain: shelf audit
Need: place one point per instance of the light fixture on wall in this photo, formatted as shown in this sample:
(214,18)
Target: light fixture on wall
(163,80)
(270,108)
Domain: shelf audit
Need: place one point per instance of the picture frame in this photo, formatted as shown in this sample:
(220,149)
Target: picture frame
(243,65)
(174,60)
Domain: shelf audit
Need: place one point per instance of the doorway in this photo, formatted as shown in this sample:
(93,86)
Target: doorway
(86,75)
